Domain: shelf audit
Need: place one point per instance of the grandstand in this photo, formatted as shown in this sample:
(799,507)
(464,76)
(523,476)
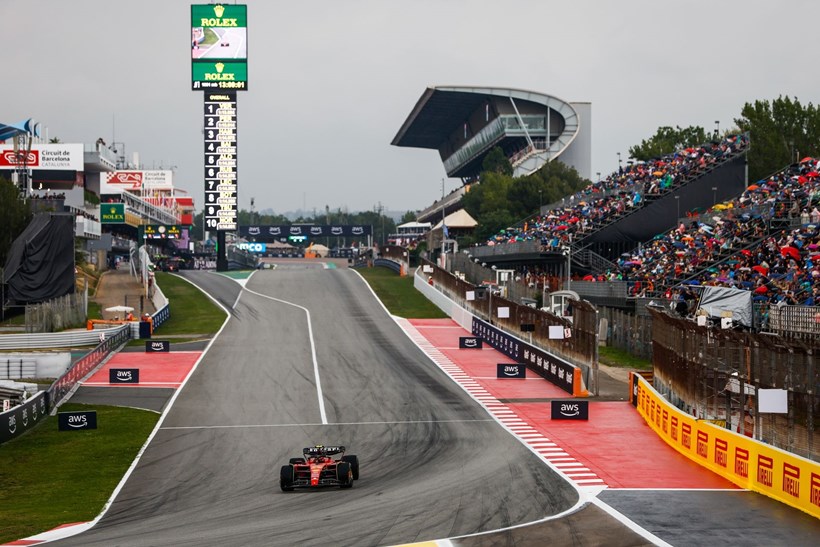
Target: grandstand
(465,123)
(609,217)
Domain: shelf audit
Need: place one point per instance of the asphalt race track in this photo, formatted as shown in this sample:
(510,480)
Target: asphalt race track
(433,464)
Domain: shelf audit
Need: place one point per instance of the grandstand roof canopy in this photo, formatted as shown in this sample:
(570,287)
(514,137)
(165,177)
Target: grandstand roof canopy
(443,108)
(436,113)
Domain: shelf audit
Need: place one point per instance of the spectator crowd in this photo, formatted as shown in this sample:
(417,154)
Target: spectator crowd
(604,201)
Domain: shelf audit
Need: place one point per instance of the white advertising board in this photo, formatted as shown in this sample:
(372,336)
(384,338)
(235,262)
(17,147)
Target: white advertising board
(58,157)
(117,181)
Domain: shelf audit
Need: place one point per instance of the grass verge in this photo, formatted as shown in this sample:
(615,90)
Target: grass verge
(53,477)
(191,311)
(399,295)
(616,357)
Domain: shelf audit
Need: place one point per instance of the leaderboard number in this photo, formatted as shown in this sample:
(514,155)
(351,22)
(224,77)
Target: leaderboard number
(211,223)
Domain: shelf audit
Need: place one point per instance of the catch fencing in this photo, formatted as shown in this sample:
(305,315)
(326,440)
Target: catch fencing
(58,314)
(716,374)
(580,348)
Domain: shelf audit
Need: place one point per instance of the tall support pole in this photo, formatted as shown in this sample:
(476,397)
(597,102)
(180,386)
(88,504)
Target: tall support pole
(442,223)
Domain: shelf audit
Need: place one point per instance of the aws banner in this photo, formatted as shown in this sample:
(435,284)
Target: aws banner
(746,462)
(20,419)
(308,230)
(556,370)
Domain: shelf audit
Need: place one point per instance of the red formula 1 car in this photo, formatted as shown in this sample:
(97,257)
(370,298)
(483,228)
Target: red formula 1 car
(317,468)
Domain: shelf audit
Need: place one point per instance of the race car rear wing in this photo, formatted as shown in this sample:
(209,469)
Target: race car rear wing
(323,450)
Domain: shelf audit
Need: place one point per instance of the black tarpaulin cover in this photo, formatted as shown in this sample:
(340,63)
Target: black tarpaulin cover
(40,265)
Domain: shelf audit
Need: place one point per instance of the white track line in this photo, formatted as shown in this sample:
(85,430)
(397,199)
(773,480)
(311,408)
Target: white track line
(252,426)
(587,492)
(321,398)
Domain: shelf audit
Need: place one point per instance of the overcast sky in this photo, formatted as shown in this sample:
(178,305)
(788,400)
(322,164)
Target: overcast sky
(331,81)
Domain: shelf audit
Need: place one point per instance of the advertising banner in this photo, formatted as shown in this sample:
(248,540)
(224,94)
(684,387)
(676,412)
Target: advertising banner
(56,157)
(156,346)
(507,370)
(21,418)
(76,421)
(569,410)
(117,181)
(553,368)
(124,376)
(219,47)
(470,342)
(220,161)
(112,213)
(162,231)
(254,247)
(746,462)
(309,230)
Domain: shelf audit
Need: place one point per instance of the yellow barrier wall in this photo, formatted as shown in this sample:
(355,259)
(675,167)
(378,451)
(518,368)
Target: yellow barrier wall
(749,464)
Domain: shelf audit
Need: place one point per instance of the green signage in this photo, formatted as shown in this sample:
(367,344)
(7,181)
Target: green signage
(112,213)
(222,74)
(161,231)
(219,47)
(218,15)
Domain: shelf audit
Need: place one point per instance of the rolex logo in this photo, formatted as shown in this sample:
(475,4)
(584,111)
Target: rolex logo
(219,9)
(113,210)
(219,66)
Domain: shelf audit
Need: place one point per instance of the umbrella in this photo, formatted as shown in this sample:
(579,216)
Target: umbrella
(121,309)
(812,174)
(746,252)
(753,187)
(560,228)
(807,159)
(761,290)
(761,270)
(790,251)
(588,278)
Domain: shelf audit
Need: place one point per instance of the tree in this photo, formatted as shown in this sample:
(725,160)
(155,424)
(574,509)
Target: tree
(781,132)
(409,216)
(500,200)
(15,215)
(496,162)
(666,140)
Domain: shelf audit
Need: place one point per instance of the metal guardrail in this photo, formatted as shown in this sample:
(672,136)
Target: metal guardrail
(67,339)
(162,315)
(65,383)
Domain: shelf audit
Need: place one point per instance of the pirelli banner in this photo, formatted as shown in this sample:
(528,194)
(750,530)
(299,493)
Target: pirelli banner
(561,373)
(747,463)
(307,230)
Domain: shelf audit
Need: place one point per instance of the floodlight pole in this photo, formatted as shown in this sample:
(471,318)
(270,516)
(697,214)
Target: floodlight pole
(442,223)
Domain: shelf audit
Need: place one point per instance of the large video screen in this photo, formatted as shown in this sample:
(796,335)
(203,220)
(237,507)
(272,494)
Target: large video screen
(219,47)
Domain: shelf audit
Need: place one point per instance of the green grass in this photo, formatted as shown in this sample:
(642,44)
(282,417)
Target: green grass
(94,310)
(210,38)
(399,296)
(238,274)
(616,357)
(191,311)
(52,477)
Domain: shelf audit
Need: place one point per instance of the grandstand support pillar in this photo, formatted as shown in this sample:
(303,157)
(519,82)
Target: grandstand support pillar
(221,253)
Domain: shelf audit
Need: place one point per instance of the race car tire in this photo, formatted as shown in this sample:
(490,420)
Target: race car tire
(354,465)
(286,478)
(296,460)
(344,475)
